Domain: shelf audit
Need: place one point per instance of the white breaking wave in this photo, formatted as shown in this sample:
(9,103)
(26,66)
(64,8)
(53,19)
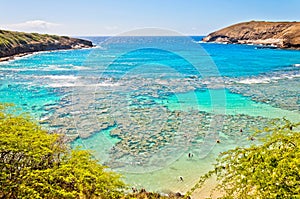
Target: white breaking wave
(56,77)
(255,81)
(22,57)
(268,79)
(80,84)
(47,68)
(81,68)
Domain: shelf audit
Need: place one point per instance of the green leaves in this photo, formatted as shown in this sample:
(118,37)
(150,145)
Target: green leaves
(35,164)
(268,170)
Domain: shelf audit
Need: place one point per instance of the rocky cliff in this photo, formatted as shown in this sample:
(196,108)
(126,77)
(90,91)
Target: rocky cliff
(17,43)
(279,34)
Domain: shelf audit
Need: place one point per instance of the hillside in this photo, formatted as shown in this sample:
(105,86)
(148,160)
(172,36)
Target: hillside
(278,34)
(19,43)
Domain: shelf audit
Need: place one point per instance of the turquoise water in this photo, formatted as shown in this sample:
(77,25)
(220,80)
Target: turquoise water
(233,104)
(143,103)
(28,99)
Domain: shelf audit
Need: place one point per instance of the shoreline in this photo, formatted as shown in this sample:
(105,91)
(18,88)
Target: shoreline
(22,55)
(13,57)
(256,45)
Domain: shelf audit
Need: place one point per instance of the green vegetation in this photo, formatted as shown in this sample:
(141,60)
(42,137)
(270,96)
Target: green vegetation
(150,195)
(12,38)
(270,169)
(35,164)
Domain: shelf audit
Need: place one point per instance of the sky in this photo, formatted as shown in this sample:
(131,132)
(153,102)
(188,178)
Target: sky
(114,17)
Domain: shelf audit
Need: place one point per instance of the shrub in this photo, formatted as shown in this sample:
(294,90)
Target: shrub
(270,169)
(36,164)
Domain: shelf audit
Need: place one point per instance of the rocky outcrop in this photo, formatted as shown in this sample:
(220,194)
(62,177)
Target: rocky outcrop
(19,43)
(278,34)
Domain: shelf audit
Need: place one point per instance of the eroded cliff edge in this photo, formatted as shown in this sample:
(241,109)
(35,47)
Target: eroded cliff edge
(19,43)
(278,34)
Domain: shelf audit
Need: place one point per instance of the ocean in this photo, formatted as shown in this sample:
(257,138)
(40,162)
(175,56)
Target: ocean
(153,108)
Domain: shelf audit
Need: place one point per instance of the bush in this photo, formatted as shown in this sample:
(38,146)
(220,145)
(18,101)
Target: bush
(270,169)
(35,164)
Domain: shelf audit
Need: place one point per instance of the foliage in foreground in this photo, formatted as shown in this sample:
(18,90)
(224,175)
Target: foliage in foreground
(35,164)
(267,170)
(151,195)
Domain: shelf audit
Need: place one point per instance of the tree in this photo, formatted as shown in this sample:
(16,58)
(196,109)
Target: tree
(36,164)
(270,169)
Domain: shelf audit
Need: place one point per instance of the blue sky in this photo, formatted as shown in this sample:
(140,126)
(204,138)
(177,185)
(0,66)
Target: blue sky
(112,17)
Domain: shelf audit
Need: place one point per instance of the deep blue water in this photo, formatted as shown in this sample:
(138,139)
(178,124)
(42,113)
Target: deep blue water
(127,53)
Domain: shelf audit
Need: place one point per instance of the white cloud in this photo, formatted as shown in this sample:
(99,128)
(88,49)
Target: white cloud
(32,26)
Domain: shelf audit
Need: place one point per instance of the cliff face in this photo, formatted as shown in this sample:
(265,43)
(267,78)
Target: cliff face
(14,43)
(279,34)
